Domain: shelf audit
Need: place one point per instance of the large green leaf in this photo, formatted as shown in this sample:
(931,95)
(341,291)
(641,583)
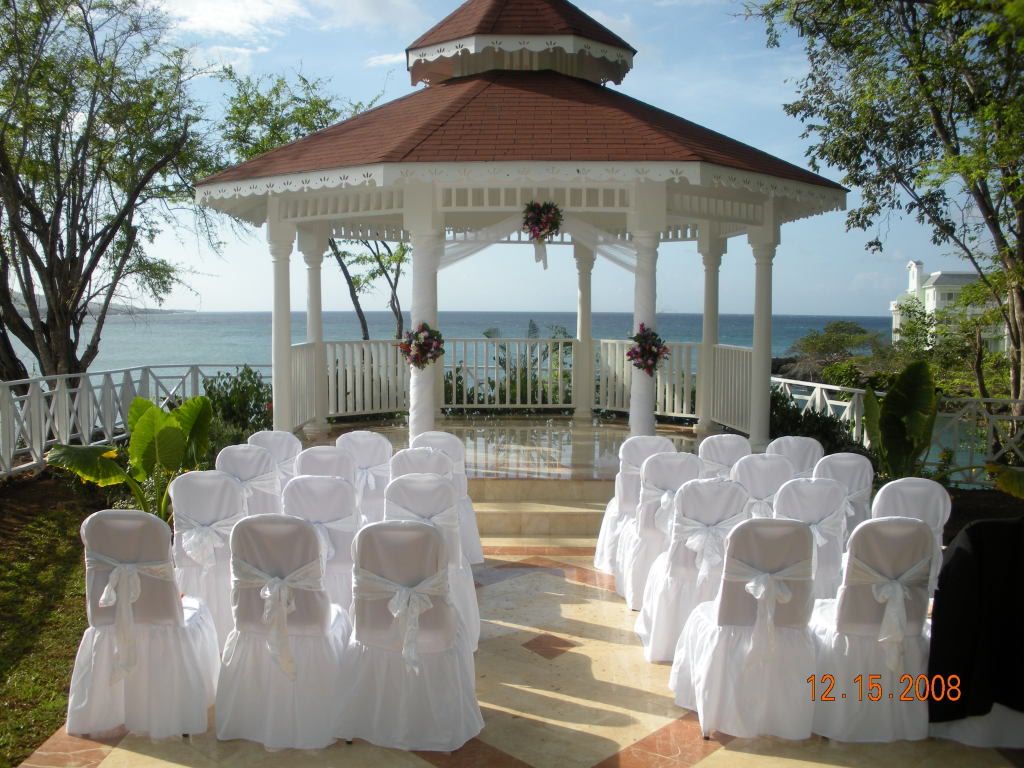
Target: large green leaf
(91,463)
(908,418)
(194,417)
(139,406)
(1009,480)
(872,410)
(157,439)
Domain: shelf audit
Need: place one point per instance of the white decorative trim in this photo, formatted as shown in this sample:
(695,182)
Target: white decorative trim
(513,43)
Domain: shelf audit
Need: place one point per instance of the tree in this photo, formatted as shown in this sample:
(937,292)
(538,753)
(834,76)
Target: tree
(100,140)
(921,104)
(266,112)
(837,341)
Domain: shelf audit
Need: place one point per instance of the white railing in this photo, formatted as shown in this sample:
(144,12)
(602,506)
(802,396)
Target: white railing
(845,402)
(730,401)
(508,373)
(366,377)
(675,381)
(303,383)
(90,408)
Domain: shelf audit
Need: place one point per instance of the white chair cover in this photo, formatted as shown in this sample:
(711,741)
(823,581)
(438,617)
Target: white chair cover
(642,540)
(720,452)
(875,628)
(148,660)
(632,454)
(762,475)
(327,461)
(803,453)
(283,446)
(432,499)
(821,503)
(921,499)
(453,448)
(408,671)
(855,472)
(206,507)
(688,572)
(279,683)
(329,503)
(742,661)
(421,461)
(372,454)
(256,470)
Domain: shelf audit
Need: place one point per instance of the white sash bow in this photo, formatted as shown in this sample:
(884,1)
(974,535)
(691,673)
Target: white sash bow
(405,604)
(762,507)
(707,542)
(268,482)
(122,590)
(349,524)
(200,540)
(894,593)
(768,589)
(286,468)
(715,469)
(831,527)
(278,602)
(857,497)
(366,478)
(666,505)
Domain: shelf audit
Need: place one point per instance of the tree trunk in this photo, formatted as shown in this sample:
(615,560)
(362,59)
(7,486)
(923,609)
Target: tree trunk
(396,309)
(352,292)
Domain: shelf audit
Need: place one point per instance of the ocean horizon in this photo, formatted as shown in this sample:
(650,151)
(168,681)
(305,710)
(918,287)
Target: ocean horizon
(236,338)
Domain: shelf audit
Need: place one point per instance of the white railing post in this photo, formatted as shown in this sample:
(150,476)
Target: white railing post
(7,432)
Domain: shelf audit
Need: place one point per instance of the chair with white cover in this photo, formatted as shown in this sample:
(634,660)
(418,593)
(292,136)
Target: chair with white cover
(279,681)
(762,475)
(645,536)
(206,507)
(329,503)
(149,658)
(688,573)
(921,499)
(327,461)
(372,453)
(632,454)
(743,660)
(432,498)
(803,453)
(720,452)
(256,470)
(874,630)
(408,672)
(821,503)
(855,472)
(452,447)
(283,446)
(420,461)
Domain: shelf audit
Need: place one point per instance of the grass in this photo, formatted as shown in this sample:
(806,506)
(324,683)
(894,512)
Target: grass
(42,606)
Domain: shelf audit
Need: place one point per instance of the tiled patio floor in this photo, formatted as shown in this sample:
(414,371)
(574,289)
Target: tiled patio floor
(562,684)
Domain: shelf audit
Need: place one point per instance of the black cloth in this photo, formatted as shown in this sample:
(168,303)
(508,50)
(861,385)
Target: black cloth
(978,620)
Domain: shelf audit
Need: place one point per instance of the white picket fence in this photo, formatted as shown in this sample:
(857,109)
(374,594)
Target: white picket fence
(730,401)
(675,379)
(92,408)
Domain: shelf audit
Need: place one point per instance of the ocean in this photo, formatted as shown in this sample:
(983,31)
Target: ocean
(222,338)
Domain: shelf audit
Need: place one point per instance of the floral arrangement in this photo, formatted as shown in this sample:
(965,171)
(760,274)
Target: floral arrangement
(541,220)
(648,350)
(422,346)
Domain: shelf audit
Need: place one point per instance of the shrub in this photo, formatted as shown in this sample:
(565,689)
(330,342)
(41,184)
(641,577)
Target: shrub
(833,433)
(241,400)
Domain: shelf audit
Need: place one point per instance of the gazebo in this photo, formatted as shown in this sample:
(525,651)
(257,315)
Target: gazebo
(516,108)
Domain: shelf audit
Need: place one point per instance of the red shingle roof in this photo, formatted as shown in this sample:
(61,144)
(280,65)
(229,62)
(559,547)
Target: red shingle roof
(518,17)
(513,116)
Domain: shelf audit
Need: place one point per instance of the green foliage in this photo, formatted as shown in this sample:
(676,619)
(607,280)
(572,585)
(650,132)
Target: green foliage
(161,445)
(241,400)
(787,418)
(838,340)
(844,373)
(900,425)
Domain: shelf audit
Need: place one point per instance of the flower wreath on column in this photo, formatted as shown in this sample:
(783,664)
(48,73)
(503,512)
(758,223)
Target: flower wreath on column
(541,221)
(648,350)
(422,346)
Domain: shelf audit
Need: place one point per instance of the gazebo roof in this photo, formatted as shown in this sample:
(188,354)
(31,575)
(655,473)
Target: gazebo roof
(518,17)
(516,116)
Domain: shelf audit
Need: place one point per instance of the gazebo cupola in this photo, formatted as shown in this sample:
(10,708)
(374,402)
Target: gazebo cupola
(528,35)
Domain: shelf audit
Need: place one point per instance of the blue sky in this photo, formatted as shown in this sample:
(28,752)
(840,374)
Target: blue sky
(697,58)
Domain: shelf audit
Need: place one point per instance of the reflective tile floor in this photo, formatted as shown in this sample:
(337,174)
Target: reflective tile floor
(562,684)
(535,448)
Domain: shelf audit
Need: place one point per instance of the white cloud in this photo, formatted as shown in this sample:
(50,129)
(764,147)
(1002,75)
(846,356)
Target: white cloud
(259,18)
(385,60)
(237,57)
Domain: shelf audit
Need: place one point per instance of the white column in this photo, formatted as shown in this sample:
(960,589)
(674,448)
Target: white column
(281,238)
(761,365)
(583,362)
(711,248)
(645,292)
(312,245)
(426,258)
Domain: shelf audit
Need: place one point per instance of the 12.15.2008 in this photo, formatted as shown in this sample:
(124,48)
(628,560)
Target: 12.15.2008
(870,688)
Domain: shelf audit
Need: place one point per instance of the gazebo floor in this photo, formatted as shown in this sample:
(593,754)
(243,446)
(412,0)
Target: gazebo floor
(562,683)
